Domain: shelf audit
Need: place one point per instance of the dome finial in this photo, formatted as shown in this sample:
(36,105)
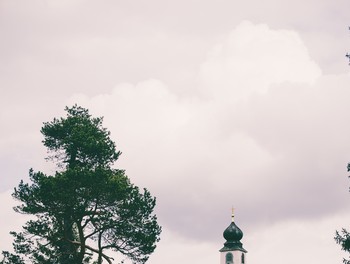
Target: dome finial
(233,214)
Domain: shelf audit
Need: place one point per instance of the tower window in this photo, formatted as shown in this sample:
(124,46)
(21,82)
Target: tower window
(229,258)
(242,258)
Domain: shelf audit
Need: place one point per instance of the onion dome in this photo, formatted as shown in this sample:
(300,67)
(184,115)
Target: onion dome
(233,234)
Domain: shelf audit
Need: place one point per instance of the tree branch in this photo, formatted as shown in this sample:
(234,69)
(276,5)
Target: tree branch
(109,259)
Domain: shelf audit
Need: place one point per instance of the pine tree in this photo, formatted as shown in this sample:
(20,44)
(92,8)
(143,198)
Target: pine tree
(87,209)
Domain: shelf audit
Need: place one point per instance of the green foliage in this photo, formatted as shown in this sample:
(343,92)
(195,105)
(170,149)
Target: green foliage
(79,139)
(86,210)
(343,237)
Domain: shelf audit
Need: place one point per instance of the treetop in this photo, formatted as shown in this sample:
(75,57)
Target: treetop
(79,140)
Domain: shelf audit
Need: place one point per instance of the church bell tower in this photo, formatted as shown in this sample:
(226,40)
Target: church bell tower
(233,251)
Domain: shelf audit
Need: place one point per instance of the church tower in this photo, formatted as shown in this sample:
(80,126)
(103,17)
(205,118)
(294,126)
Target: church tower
(233,251)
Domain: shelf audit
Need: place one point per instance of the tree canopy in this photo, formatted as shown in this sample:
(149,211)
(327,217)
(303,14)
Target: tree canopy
(79,139)
(87,209)
(343,238)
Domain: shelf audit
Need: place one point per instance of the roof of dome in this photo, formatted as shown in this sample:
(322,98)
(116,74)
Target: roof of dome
(233,233)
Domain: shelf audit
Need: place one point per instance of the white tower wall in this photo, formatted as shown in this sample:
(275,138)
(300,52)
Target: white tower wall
(237,257)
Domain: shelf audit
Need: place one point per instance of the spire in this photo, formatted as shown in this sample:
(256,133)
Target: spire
(233,215)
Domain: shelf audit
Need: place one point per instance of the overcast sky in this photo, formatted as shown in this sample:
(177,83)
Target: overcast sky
(213,104)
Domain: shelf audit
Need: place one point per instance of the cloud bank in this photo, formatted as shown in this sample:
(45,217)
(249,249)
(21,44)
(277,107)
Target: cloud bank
(264,126)
(263,130)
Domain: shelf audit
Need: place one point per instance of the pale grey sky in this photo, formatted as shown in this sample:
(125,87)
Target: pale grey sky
(213,104)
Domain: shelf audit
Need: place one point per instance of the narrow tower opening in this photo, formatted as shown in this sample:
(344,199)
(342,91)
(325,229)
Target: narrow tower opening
(229,258)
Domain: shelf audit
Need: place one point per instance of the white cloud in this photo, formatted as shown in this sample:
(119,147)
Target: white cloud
(252,58)
(174,249)
(253,147)
(297,241)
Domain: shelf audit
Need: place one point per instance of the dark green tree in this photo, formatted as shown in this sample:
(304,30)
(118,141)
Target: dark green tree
(87,209)
(343,237)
